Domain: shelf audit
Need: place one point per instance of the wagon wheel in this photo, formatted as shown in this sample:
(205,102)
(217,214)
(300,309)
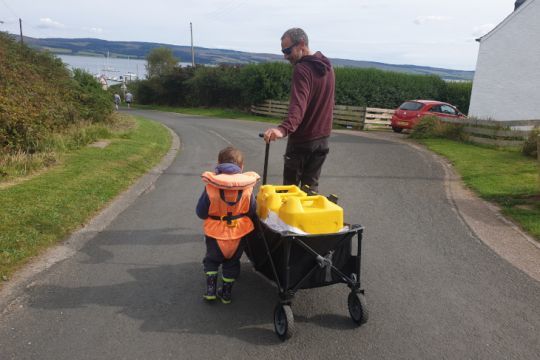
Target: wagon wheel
(357,308)
(283,321)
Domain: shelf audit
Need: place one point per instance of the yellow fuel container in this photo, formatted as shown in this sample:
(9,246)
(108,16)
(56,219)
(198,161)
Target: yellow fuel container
(312,214)
(272,197)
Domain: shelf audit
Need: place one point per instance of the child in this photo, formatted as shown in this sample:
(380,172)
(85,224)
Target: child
(227,205)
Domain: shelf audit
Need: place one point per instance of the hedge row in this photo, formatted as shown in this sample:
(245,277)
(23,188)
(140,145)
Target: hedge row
(39,95)
(242,86)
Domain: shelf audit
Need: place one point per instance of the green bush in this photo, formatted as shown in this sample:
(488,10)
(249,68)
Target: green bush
(530,147)
(38,96)
(265,81)
(242,86)
(94,104)
(458,93)
(384,89)
(433,127)
(214,86)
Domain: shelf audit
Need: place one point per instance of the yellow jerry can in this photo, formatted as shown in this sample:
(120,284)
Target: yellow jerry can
(271,197)
(312,214)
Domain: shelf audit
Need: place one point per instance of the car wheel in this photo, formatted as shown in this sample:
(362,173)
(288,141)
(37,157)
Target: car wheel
(397,129)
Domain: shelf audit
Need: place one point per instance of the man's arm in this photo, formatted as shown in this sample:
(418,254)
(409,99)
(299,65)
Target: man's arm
(297,108)
(300,89)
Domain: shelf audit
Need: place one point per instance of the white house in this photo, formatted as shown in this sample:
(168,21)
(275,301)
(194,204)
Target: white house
(506,83)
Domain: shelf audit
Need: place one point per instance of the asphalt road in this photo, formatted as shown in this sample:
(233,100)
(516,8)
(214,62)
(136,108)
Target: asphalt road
(134,291)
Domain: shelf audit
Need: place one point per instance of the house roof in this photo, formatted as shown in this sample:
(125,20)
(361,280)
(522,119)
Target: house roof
(518,3)
(520,6)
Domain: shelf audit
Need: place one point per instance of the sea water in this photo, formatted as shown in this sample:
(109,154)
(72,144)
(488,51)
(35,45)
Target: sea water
(110,67)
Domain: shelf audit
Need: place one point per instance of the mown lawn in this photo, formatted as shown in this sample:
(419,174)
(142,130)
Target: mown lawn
(46,208)
(502,176)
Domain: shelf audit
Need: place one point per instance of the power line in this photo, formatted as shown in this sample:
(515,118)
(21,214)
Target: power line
(10,9)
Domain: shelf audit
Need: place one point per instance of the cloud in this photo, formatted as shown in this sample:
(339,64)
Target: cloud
(96,30)
(482,30)
(421,20)
(48,23)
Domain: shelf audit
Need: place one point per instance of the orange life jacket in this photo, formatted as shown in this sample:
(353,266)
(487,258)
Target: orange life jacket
(230,196)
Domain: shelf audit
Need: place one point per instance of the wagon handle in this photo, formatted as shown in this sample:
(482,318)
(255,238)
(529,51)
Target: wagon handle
(266,152)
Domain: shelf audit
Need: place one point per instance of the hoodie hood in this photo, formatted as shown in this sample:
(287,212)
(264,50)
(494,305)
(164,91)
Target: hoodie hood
(228,168)
(317,61)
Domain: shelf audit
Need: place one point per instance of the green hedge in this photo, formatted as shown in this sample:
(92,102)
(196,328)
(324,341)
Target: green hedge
(39,95)
(241,86)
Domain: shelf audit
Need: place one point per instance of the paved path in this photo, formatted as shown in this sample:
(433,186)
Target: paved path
(133,291)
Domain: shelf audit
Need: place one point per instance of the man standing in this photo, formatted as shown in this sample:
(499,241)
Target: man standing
(129,99)
(309,121)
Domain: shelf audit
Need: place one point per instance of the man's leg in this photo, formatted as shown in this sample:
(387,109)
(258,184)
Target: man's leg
(313,163)
(293,162)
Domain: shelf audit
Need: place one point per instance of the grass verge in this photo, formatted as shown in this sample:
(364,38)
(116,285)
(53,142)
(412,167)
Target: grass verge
(502,176)
(212,112)
(48,207)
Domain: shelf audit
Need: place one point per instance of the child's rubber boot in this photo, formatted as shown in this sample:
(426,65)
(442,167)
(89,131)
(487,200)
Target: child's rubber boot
(211,285)
(225,291)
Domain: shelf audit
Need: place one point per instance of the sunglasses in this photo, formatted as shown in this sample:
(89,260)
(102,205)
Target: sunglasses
(287,51)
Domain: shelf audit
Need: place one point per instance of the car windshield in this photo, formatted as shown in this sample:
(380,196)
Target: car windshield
(411,105)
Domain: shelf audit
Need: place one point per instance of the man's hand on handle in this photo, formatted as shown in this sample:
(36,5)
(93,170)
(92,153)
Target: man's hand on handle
(272,134)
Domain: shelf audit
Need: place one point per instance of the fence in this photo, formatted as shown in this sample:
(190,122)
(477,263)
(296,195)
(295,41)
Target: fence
(354,117)
(497,133)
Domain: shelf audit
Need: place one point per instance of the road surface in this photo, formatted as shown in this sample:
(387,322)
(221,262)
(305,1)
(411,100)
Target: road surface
(134,291)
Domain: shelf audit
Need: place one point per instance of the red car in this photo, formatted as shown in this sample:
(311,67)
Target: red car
(409,113)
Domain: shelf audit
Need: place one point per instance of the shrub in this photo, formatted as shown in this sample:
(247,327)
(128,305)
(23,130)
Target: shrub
(433,127)
(214,86)
(93,103)
(384,89)
(459,94)
(265,81)
(242,86)
(38,96)
(530,147)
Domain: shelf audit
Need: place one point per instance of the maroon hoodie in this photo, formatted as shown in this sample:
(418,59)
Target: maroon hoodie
(312,100)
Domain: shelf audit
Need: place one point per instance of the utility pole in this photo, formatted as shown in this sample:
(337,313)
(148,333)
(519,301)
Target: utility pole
(20,27)
(192,52)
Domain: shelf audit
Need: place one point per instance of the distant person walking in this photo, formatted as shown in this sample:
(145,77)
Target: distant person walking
(309,121)
(129,99)
(117,101)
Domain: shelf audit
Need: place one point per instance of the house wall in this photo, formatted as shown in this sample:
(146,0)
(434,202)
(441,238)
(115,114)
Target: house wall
(507,79)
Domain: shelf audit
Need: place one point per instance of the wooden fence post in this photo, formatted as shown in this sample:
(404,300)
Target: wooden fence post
(362,124)
(538,157)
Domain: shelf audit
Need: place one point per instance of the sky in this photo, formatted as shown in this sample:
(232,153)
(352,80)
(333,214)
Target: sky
(416,32)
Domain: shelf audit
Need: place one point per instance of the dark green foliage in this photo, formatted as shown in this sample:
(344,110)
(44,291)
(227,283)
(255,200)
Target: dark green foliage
(160,62)
(94,103)
(459,94)
(242,86)
(39,96)
(265,81)
(384,89)
(214,86)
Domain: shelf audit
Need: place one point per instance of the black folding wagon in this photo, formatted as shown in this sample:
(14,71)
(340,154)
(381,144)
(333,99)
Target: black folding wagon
(294,261)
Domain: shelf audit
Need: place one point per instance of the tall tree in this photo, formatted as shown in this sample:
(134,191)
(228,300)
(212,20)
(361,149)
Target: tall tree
(160,61)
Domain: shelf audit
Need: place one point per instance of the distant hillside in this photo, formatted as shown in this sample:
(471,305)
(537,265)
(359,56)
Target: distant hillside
(135,49)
